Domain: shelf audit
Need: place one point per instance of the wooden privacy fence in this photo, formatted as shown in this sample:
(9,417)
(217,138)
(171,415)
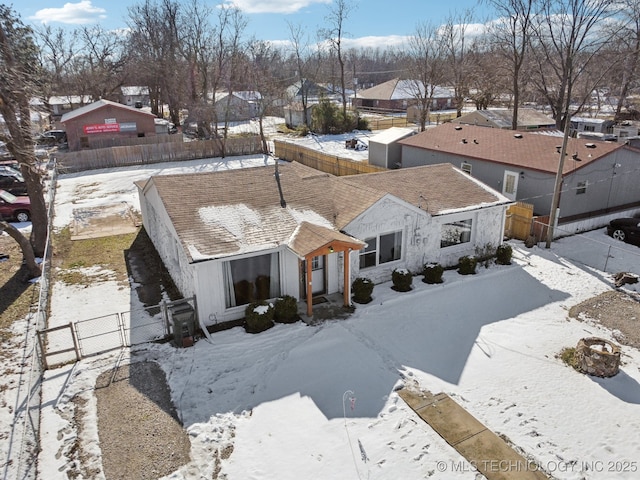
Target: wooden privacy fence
(388,122)
(125,156)
(131,141)
(321,161)
(519,221)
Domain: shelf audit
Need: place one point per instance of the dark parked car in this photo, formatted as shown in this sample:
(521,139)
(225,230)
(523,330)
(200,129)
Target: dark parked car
(14,208)
(12,181)
(625,229)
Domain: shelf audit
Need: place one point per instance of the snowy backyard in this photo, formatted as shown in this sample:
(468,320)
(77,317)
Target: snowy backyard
(302,402)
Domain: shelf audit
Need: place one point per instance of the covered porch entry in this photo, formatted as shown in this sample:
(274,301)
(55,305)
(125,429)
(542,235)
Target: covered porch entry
(314,244)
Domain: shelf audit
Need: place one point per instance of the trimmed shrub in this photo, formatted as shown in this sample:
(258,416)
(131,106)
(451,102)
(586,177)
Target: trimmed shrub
(467,265)
(258,317)
(286,309)
(362,289)
(503,254)
(432,273)
(485,254)
(402,279)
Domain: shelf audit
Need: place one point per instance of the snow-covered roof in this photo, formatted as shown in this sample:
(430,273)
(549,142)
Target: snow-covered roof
(98,105)
(397,89)
(134,91)
(241,211)
(391,135)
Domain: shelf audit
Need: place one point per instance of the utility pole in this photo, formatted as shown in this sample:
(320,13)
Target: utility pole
(558,186)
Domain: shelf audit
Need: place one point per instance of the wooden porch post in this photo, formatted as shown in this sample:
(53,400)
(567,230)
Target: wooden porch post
(308,267)
(347,284)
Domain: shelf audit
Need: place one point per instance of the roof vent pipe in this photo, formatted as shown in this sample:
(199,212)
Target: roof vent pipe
(283,204)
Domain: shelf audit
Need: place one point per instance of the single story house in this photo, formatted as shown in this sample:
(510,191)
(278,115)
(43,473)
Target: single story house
(597,177)
(91,125)
(398,95)
(237,106)
(294,114)
(262,232)
(626,130)
(528,119)
(133,96)
(313,92)
(590,125)
(384,150)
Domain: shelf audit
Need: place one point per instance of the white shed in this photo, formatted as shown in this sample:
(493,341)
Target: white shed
(384,150)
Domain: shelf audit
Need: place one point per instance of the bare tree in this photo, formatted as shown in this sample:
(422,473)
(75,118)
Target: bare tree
(237,24)
(487,78)
(154,45)
(304,66)
(427,54)
(455,36)
(100,63)
(627,41)
(336,18)
(18,79)
(567,38)
(264,75)
(511,37)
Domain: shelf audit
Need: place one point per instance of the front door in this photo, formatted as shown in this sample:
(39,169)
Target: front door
(510,184)
(317,275)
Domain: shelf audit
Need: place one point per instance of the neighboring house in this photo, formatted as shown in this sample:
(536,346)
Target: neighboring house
(398,95)
(236,107)
(135,96)
(294,114)
(626,130)
(587,125)
(384,149)
(89,126)
(314,91)
(528,119)
(598,177)
(258,233)
(57,106)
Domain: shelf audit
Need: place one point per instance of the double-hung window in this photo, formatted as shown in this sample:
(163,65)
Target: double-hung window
(381,249)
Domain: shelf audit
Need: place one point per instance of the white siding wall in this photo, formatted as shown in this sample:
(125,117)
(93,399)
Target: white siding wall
(210,288)
(421,236)
(165,240)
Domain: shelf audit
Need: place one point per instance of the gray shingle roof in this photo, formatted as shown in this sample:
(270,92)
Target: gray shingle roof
(238,211)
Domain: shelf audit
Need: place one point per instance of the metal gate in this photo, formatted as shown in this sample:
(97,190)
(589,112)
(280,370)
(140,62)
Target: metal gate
(77,340)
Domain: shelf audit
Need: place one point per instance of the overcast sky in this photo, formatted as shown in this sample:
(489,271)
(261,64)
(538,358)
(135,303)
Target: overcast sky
(372,22)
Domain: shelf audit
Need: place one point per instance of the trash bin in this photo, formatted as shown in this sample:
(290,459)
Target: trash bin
(184,324)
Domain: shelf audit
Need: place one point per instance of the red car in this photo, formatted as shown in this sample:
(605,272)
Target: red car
(14,208)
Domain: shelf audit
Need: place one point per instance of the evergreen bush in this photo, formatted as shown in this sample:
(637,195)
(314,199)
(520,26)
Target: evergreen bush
(432,273)
(362,289)
(467,265)
(503,254)
(258,317)
(402,279)
(286,309)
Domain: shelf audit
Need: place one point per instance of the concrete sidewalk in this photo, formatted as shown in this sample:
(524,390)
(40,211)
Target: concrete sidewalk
(482,448)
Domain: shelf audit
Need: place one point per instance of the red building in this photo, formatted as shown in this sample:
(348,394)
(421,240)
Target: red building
(103,123)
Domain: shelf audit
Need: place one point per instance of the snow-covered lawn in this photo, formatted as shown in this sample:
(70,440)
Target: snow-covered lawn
(319,401)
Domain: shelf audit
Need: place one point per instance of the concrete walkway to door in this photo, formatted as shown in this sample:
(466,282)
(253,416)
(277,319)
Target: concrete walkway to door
(482,448)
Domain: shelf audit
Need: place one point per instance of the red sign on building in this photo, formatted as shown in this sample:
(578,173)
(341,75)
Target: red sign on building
(102,128)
